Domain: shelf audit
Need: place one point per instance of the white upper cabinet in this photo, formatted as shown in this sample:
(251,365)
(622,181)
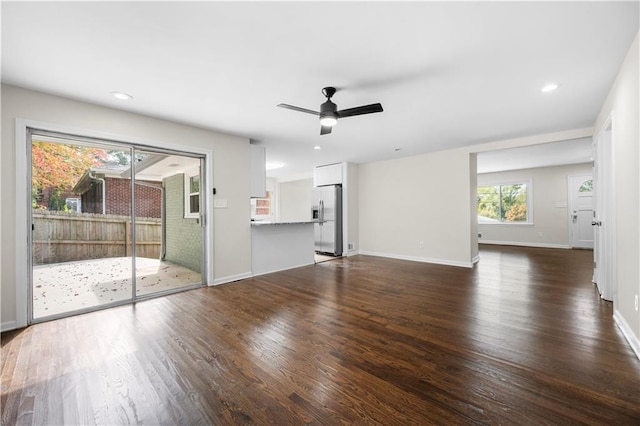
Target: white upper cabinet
(330,174)
(258,172)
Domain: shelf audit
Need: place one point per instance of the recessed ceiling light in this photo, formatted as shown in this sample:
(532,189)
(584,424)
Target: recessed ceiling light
(273,165)
(550,87)
(122,96)
(317,147)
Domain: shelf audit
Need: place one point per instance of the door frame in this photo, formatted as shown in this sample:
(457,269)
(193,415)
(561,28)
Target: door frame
(23,199)
(571,207)
(605,209)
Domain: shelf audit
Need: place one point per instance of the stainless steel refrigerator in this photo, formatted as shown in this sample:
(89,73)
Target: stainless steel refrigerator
(326,209)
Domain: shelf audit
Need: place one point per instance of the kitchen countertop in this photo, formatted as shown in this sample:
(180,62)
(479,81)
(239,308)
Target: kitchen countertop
(264,222)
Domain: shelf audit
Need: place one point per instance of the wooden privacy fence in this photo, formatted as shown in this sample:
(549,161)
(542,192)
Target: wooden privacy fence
(66,237)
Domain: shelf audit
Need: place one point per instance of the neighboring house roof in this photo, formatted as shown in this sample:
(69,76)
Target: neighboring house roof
(89,177)
(153,168)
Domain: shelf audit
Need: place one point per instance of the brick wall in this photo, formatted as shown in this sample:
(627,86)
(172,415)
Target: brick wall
(118,195)
(183,237)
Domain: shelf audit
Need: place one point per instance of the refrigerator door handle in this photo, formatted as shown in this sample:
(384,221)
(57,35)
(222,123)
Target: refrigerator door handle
(321,212)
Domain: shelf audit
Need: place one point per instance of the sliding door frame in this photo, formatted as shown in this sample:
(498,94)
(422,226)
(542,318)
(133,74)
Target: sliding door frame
(23,130)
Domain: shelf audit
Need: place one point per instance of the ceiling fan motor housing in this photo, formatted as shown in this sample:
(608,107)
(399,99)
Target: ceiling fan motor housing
(328,109)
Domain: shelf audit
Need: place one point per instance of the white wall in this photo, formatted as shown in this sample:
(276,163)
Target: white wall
(353,212)
(473,197)
(412,199)
(549,188)
(429,198)
(623,101)
(294,200)
(232,237)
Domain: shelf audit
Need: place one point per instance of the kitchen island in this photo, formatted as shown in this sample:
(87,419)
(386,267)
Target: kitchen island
(276,246)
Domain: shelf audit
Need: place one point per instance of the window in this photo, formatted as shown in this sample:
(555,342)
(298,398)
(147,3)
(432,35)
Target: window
(504,203)
(192,194)
(73,204)
(587,186)
(261,207)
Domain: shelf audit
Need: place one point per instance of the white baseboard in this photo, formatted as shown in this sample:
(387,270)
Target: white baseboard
(8,326)
(627,332)
(419,259)
(521,244)
(353,253)
(475,259)
(283,269)
(232,278)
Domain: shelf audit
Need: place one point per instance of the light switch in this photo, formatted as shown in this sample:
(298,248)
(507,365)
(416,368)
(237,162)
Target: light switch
(219,203)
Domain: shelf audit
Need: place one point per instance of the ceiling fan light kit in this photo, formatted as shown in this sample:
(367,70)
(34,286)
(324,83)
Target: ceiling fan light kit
(329,113)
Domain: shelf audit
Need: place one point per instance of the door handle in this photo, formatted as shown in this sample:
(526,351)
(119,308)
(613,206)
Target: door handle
(596,223)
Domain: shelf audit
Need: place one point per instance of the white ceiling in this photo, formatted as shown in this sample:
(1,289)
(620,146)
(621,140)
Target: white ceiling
(447,74)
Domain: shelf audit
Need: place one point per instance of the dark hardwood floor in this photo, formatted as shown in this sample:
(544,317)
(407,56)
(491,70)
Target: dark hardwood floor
(523,338)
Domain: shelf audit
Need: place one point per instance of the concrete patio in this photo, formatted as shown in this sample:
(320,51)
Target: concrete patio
(69,286)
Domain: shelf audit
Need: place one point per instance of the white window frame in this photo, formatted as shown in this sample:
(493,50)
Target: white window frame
(23,202)
(78,202)
(529,184)
(188,214)
(254,202)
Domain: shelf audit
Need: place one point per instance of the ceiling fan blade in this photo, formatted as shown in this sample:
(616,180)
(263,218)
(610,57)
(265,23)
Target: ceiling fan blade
(325,130)
(295,108)
(365,109)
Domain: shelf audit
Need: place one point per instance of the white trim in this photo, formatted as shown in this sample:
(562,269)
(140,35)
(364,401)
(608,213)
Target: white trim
(23,199)
(627,332)
(506,223)
(418,259)
(525,244)
(345,208)
(231,278)
(8,326)
(21,225)
(475,259)
(186,178)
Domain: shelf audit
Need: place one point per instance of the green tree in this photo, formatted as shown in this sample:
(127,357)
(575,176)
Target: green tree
(512,195)
(506,203)
(59,166)
(489,202)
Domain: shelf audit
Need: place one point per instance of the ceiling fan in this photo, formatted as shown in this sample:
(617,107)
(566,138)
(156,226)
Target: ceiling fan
(329,113)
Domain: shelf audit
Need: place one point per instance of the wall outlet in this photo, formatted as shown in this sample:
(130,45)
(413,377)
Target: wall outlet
(421,244)
(635,302)
(351,246)
(479,235)
(539,234)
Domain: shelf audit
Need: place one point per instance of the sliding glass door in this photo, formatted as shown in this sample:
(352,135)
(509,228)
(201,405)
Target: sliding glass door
(169,257)
(111,223)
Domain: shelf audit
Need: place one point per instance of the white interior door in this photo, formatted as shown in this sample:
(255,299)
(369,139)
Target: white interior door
(581,210)
(603,217)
